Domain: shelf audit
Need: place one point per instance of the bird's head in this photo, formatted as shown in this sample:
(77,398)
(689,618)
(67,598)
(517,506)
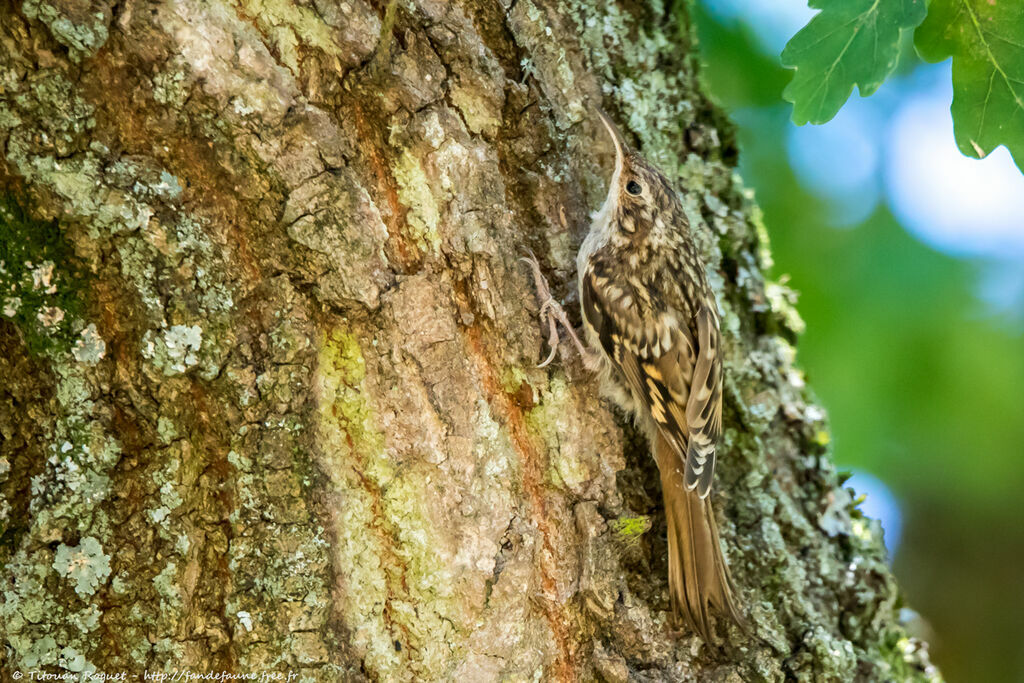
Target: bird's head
(640,199)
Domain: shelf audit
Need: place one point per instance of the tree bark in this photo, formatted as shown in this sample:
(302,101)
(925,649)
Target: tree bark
(269,395)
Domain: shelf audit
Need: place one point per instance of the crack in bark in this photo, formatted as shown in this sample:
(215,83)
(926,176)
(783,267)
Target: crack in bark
(530,458)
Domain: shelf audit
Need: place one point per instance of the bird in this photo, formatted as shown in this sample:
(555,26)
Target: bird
(652,331)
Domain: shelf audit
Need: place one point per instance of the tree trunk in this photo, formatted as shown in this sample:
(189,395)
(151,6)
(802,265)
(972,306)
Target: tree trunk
(269,395)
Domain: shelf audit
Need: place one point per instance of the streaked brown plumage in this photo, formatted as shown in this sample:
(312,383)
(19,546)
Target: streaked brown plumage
(649,311)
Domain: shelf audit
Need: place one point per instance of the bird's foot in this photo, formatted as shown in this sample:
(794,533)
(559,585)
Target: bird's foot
(551,314)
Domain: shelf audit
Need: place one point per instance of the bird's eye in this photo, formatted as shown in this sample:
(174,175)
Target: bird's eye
(634,188)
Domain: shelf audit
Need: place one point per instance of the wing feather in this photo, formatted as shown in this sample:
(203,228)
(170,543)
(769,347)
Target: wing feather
(704,406)
(673,370)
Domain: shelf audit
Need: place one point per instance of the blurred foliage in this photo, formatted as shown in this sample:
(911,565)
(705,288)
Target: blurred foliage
(848,43)
(858,42)
(986,40)
(924,388)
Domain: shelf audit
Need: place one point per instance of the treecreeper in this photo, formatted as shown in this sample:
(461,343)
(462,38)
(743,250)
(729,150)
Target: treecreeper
(651,327)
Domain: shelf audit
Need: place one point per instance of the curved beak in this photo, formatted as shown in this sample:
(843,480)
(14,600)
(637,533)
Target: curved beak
(620,145)
(620,161)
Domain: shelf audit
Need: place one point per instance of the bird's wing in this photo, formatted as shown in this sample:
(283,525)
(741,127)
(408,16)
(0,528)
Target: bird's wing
(657,355)
(704,405)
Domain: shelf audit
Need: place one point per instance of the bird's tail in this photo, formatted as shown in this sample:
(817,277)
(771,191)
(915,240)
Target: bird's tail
(698,578)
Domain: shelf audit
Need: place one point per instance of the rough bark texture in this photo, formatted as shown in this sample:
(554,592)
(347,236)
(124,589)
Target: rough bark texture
(269,398)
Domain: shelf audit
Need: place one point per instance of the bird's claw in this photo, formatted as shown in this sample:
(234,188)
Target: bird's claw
(551,312)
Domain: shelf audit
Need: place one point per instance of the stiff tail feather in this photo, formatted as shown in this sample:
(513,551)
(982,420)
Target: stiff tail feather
(698,577)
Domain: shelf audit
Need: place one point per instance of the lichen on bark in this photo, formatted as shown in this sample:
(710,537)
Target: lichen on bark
(270,399)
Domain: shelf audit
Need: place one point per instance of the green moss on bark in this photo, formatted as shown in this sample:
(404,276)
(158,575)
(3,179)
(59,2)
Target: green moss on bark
(41,284)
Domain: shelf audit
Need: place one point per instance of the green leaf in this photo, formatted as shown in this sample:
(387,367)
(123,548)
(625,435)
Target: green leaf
(986,40)
(848,43)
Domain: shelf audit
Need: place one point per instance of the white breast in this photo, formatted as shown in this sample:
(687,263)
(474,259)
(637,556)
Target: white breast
(600,226)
